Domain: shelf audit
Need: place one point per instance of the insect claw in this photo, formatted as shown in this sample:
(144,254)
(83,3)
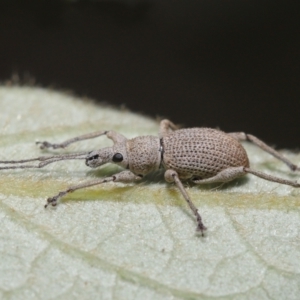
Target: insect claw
(201,228)
(45,144)
(52,201)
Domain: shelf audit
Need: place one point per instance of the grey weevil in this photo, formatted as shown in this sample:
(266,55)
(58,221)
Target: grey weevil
(201,155)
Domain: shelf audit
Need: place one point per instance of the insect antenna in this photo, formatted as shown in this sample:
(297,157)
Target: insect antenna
(44,161)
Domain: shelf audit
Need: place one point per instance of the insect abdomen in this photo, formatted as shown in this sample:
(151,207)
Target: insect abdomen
(202,152)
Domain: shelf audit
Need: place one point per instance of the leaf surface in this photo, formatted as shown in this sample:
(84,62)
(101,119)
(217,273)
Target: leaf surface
(134,241)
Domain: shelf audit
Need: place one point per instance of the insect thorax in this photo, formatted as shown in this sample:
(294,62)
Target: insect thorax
(144,155)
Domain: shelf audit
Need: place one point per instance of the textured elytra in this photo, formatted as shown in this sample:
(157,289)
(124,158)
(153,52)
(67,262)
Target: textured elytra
(202,152)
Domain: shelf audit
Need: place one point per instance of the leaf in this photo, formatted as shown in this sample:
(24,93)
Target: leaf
(134,241)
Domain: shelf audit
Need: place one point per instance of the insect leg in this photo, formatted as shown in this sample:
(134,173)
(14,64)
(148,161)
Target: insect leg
(233,173)
(66,143)
(124,176)
(223,176)
(172,176)
(241,136)
(165,127)
(272,178)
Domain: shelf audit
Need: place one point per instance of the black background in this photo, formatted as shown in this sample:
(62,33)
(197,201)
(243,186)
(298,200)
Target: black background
(228,64)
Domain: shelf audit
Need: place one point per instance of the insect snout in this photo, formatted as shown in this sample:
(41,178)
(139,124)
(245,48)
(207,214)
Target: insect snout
(90,160)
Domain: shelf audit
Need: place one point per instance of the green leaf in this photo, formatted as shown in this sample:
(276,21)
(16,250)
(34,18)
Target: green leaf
(134,241)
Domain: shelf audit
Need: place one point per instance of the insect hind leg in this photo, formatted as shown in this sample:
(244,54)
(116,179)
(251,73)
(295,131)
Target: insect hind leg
(242,136)
(272,178)
(225,175)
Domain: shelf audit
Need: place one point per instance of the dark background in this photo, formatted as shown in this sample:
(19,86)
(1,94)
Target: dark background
(228,64)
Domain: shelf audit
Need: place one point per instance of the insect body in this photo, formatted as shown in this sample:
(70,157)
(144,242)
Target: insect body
(202,155)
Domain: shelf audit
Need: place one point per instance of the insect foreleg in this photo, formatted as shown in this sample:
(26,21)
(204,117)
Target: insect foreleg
(124,176)
(66,143)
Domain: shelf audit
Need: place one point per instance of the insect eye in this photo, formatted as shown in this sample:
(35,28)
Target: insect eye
(118,157)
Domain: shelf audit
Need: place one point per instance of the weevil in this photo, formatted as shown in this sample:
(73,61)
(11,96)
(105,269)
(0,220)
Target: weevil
(200,155)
